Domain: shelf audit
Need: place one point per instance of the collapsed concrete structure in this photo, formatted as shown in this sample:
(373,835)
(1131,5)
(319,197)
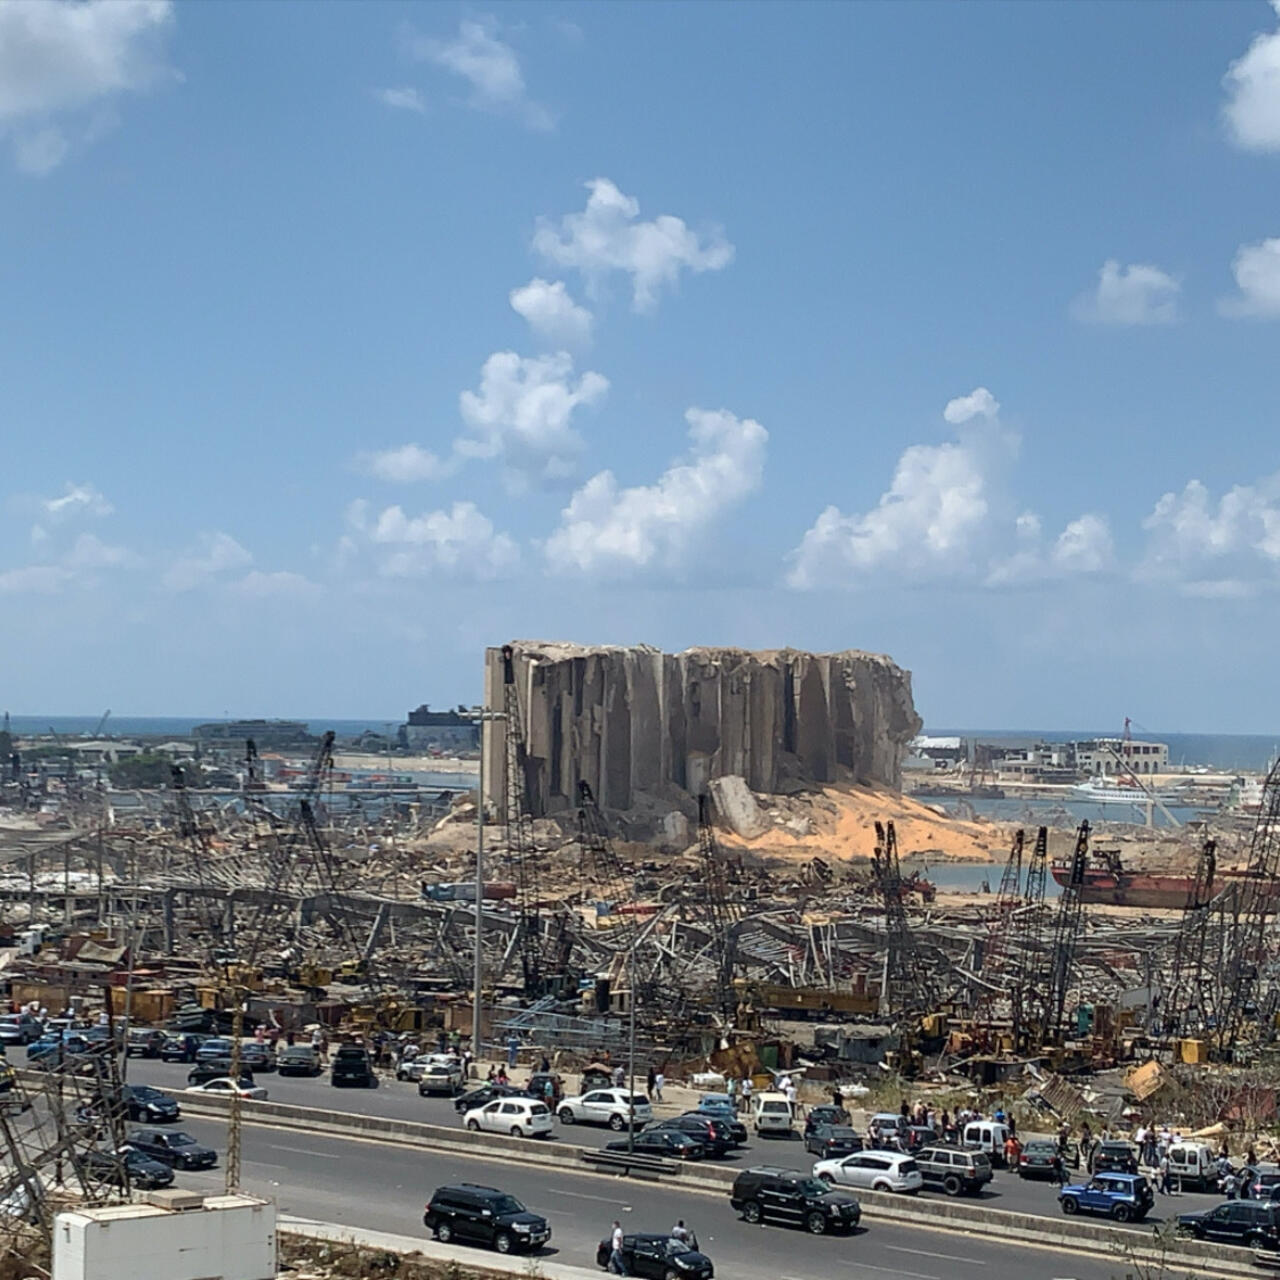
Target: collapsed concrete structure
(635,723)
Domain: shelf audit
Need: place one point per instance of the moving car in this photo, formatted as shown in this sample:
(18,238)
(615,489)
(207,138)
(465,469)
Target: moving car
(605,1106)
(173,1147)
(351,1066)
(110,1166)
(712,1133)
(954,1171)
(1253,1223)
(474,1214)
(142,1102)
(1039,1158)
(767,1194)
(520,1117)
(1125,1197)
(875,1170)
(830,1140)
(224,1086)
(657,1257)
(486,1093)
(1114,1157)
(669,1143)
(298,1060)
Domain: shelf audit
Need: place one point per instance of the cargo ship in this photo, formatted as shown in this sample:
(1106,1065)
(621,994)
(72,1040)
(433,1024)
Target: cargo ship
(1107,880)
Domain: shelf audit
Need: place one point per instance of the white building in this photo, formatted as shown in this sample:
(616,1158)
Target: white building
(1099,756)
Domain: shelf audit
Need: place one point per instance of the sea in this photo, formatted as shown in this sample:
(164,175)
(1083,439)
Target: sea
(125,726)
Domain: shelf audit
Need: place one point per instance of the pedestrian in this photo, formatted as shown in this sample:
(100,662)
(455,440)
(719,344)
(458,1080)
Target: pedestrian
(1162,1182)
(680,1232)
(490,1078)
(619,1076)
(659,1079)
(746,1093)
(501,1077)
(905,1110)
(651,1082)
(1059,1175)
(1230,1185)
(513,1049)
(1012,1150)
(1012,1122)
(616,1266)
(731,1091)
(544,1064)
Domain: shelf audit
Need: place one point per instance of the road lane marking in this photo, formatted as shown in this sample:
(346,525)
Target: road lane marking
(302,1151)
(890,1271)
(945,1257)
(581,1195)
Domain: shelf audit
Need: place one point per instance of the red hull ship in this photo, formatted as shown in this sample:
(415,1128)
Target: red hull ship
(1108,881)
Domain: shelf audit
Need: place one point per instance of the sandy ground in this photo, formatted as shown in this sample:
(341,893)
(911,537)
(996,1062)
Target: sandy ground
(843,826)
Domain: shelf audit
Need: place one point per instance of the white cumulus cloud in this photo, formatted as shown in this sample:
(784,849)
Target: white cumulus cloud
(407,464)
(1215,548)
(608,236)
(552,314)
(523,413)
(75,500)
(401,99)
(1137,294)
(979,403)
(458,542)
(606,527)
(1252,83)
(1257,272)
(215,554)
(490,66)
(59,58)
(1085,546)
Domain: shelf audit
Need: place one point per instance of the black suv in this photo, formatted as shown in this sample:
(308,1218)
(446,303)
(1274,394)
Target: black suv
(173,1147)
(1254,1223)
(484,1215)
(714,1134)
(142,1102)
(783,1195)
(655,1256)
(143,1171)
(351,1065)
(485,1094)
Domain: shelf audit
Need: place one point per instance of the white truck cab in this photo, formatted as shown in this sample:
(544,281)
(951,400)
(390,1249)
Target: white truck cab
(771,1112)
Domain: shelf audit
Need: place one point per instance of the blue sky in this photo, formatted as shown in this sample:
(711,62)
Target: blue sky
(343,340)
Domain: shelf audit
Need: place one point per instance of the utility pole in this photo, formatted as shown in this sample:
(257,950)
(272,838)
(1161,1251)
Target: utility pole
(483,715)
(631,1057)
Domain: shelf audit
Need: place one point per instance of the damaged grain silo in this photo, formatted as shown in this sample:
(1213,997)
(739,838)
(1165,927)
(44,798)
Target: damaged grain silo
(648,730)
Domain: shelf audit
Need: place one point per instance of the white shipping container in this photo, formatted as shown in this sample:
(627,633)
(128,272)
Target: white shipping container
(230,1237)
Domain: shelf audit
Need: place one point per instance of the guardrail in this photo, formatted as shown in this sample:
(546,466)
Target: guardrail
(962,1214)
(630,1163)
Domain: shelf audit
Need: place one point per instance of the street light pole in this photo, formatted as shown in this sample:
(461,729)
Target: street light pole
(631,1058)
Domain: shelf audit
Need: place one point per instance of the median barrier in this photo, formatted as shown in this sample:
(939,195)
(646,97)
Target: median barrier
(962,1214)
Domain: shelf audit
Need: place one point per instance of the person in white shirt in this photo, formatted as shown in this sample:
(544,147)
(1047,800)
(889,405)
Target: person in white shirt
(616,1265)
(659,1080)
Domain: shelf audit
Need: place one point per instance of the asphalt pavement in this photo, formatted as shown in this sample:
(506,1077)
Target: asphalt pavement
(384,1188)
(399,1100)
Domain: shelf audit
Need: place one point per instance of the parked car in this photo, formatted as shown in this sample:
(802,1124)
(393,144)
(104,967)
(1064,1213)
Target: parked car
(727,1116)
(1264,1184)
(48,1051)
(142,1042)
(771,1113)
(473,1214)
(1126,1197)
(830,1140)
(613,1107)
(520,1117)
(257,1057)
(875,1170)
(824,1115)
(657,1256)
(224,1086)
(143,1102)
(768,1194)
(173,1147)
(179,1047)
(595,1075)
(712,1133)
(110,1166)
(989,1137)
(1253,1223)
(1039,1158)
(920,1135)
(952,1170)
(19,1028)
(214,1047)
(1193,1164)
(351,1066)
(299,1060)
(1114,1157)
(442,1077)
(486,1093)
(537,1087)
(669,1143)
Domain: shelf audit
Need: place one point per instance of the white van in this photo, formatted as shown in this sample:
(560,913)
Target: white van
(1193,1164)
(987,1136)
(771,1112)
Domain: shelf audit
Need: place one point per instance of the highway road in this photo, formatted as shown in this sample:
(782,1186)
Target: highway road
(384,1188)
(398,1100)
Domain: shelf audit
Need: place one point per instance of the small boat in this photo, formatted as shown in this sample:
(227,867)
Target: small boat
(1119,791)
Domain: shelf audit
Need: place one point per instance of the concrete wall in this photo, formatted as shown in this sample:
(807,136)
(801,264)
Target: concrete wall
(633,722)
